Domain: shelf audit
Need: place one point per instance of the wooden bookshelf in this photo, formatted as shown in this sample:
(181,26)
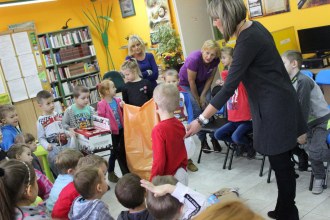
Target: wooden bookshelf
(70,60)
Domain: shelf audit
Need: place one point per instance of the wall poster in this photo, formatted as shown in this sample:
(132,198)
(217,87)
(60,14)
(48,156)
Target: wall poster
(158,14)
(311,3)
(259,8)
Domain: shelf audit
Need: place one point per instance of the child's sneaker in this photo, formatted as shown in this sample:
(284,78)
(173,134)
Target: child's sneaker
(317,186)
(112,177)
(191,166)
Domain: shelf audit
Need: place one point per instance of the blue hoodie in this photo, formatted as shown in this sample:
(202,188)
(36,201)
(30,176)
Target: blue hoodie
(9,133)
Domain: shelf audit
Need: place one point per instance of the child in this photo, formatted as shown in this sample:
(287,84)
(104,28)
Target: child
(51,134)
(30,141)
(315,111)
(131,195)
(169,199)
(136,91)
(169,152)
(9,130)
(238,110)
(184,112)
(69,193)
(66,162)
(79,115)
(110,107)
(91,184)
(23,153)
(18,191)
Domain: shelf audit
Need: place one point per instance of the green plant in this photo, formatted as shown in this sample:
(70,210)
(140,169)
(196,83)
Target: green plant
(101,23)
(169,45)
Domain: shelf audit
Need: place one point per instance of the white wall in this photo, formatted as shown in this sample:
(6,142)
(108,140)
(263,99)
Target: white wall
(194,24)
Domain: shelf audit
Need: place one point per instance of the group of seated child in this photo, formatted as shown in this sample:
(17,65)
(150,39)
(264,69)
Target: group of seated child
(81,181)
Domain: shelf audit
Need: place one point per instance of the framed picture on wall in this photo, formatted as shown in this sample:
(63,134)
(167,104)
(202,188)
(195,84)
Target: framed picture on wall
(127,8)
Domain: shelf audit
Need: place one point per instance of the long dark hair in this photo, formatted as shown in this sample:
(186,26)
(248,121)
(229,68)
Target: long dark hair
(15,176)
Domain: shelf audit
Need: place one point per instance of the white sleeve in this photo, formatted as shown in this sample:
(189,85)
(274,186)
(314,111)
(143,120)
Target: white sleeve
(42,135)
(194,202)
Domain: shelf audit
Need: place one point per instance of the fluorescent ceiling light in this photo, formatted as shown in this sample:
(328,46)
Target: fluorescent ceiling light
(21,2)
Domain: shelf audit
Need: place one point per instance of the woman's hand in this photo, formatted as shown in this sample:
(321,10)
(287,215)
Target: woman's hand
(202,102)
(160,190)
(193,128)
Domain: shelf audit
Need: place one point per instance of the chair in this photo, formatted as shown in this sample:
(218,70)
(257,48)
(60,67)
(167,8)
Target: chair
(323,79)
(42,153)
(307,73)
(116,78)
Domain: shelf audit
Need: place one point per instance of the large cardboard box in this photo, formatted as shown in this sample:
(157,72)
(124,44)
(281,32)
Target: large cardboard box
(95,139)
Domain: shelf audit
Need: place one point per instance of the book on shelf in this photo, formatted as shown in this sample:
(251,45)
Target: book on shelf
(51,75)
(94,97)
(56,91)
(58,107)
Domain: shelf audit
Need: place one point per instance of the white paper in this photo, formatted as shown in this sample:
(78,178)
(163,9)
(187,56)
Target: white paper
(17,90)
(28,65)
(33,85)
(22,43)
(6,47)
(275,6)
(10,68)
(2,86)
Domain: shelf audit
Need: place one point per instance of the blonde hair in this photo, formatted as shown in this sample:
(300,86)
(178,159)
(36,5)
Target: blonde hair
(91,160)
(104,86)
(210,45)
(167,97)
(4,110)
(133,39)
(233,209)
(171,72)
(132,65)
(227,50)
(231,13)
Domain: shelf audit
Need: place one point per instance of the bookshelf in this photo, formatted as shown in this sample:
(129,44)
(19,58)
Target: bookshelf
(70,60)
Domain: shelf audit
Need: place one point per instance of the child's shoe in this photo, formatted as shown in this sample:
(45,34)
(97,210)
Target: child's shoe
(317,186)
(191,166)
(205,147)
(112,177)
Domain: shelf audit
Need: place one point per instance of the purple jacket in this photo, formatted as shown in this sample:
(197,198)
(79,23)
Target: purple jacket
(104,110)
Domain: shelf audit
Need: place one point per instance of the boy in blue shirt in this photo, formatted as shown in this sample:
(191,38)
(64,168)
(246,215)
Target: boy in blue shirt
(9,130)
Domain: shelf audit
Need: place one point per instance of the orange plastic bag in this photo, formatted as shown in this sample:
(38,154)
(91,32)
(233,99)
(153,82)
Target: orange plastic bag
(138,124)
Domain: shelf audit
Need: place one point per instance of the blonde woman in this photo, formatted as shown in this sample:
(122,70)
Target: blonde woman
(276,116)
(196,76)
(146,61)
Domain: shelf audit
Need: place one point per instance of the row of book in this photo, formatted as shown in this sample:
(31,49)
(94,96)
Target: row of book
(56,91)
(65,39)
(68,54)
(89,81)
(94,97)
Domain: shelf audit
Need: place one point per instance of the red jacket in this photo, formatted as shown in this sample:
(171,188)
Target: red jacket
(65,199)
(238,107)
(169,151)
(104,110)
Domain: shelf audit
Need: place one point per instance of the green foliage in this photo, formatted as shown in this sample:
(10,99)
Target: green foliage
(168,41)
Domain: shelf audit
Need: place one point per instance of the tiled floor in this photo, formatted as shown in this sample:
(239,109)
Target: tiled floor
(254,190)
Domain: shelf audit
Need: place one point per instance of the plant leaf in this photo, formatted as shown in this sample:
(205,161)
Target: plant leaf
(105,18)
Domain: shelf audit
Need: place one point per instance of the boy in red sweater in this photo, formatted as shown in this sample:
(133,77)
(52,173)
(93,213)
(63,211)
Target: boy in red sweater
(169,152)
(69,193)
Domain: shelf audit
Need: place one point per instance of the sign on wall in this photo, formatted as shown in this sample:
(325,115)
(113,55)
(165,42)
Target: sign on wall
(259,8)
(311,3)
(158,14)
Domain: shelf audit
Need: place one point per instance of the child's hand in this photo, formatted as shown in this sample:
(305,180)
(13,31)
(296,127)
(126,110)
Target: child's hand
(160,190)
(121,104)
(219,82)
(50,147)
(302,139)
(72,132)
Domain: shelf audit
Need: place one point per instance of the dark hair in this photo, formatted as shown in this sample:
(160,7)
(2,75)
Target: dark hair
(24,138)
(16,149)
(85,180)
(4,109)
(91,160)
(294,55)
(67,159)
(77,90)
(163,207)
(15,176)
(230,12)
(43,94)
(129,191)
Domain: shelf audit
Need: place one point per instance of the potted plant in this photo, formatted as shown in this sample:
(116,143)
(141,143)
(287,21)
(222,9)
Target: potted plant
(169,46)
